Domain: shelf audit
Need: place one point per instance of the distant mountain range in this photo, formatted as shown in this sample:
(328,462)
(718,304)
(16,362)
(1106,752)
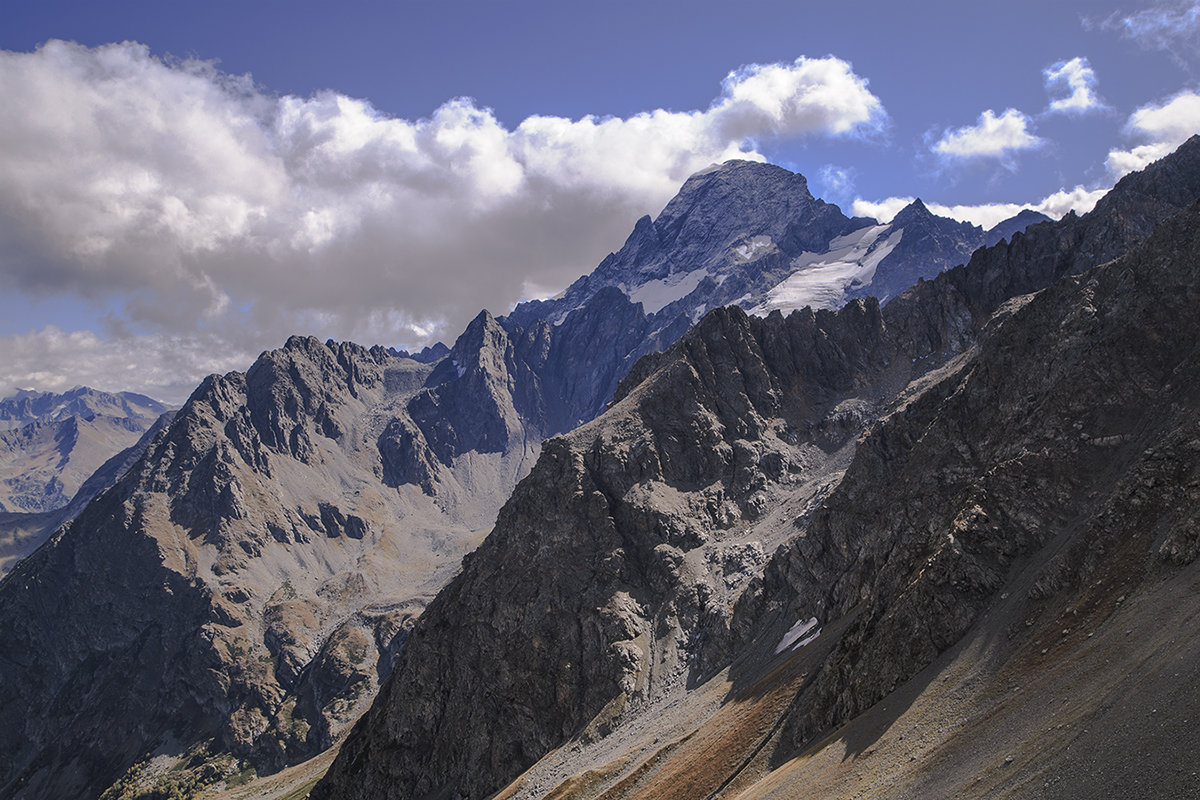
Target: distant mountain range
(28,406)
(53,442)
(55,451)
(301,537)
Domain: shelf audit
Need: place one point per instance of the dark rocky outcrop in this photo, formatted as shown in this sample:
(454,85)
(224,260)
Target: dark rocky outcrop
(585,597)
(483,393)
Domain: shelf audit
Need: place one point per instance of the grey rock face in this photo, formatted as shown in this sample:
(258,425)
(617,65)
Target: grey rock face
(1038,461)
(716,210)
(612,563)
(471,405)
(57,451)
(942,315)
(600,587)
(22,533)
(728,234)
(928,245)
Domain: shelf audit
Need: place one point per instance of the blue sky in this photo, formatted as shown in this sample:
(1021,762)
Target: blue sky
(183,185)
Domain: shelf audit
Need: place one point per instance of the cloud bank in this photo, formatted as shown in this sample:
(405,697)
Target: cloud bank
(201,203)
(165,366)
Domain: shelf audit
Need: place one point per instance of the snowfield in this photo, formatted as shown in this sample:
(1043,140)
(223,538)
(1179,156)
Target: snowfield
(820,280)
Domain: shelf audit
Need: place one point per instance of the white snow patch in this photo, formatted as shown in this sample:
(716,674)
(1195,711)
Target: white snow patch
(820,280)
(753,248)
(656,294)
(798,635)
(561,317)
(458,367)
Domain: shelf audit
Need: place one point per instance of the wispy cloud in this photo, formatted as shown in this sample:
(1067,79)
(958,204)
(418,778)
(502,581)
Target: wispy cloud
(1079,80)
(992,137)
(1172,27)
(195,200)
(987,215)
(1160,128)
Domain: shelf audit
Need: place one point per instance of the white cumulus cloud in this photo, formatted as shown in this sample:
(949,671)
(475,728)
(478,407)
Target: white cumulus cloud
(882,210)
(192,200)
(991,137)
(1079,80)
(1160,127)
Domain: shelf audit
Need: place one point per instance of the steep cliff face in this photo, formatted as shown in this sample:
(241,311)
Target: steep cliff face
(960,300)
(613,574)
(996,600)
(928,245)
(485,393)
(723,219)
(246,584)
(1034,463)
